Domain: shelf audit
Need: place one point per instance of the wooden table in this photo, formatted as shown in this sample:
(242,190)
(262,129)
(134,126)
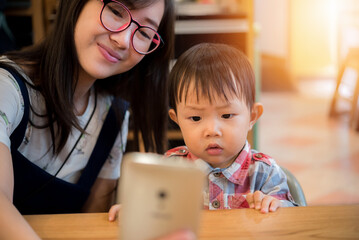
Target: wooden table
(317,222)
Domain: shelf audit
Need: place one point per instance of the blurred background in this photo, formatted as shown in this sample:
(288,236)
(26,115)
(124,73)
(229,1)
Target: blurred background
(305,54)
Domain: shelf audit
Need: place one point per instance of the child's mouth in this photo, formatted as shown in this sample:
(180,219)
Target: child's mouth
(214,149)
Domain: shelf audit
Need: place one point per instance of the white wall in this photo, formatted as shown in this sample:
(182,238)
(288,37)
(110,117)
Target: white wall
(272,17)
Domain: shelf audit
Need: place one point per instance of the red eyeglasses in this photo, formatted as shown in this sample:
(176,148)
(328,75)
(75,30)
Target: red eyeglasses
(116,17)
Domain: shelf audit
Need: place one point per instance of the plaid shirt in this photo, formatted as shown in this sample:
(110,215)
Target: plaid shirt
(251,171)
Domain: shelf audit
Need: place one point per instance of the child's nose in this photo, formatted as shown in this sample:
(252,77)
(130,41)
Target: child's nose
(213,129)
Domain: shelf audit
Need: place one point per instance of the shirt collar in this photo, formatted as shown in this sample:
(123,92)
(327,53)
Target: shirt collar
(236,172)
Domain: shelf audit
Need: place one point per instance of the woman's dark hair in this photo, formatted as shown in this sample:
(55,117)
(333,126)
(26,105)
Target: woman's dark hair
(52,63)
(212,69)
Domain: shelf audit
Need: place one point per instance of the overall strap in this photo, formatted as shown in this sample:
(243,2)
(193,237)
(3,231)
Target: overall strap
(105,142)
(18,135)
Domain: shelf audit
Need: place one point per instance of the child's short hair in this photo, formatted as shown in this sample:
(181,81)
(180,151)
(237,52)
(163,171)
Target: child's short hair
(212,68)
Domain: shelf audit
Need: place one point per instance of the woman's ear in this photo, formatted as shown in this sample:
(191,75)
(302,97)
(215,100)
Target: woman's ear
(173,115)
(256,112)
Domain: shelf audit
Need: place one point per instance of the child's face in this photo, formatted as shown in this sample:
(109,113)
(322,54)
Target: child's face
(217,131)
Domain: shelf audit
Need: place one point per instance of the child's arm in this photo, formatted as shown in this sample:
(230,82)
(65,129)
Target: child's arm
(268,178)
(277,187)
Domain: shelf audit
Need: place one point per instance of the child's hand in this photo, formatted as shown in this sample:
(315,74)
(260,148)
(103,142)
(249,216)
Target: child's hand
(262,202)
(112,213)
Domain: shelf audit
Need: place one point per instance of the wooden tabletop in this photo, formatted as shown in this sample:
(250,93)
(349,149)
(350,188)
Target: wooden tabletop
(317,222)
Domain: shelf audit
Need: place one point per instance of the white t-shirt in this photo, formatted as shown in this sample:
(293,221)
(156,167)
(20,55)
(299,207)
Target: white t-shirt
(37,144)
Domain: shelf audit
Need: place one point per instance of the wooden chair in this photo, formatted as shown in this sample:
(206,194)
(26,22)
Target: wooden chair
(350,62)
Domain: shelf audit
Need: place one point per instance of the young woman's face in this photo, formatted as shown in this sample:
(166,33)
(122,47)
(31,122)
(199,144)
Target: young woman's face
(216,131)
(102,53)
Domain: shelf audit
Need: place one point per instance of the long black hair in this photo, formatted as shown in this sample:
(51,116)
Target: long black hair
(52,63)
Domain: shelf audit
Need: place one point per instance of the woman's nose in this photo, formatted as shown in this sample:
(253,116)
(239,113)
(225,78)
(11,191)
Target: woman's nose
(123,39)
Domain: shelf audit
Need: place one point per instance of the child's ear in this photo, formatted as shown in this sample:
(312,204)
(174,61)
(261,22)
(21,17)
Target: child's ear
(173,115)
(256,112)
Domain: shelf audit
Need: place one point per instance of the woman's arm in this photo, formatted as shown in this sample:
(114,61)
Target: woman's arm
(12,224)
(102,195)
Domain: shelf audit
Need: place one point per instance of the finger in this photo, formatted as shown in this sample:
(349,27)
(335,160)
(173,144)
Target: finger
(250,200)
(112,213)
(266,203)
(275,204)
(258,196)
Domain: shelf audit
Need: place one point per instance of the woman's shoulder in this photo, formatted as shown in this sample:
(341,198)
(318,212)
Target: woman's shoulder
(11,104)
(5,71)
(8,83)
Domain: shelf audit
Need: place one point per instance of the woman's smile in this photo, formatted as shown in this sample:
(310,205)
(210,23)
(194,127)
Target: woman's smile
(109,54)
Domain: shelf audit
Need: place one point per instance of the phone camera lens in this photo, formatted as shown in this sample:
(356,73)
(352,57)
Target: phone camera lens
(162,194)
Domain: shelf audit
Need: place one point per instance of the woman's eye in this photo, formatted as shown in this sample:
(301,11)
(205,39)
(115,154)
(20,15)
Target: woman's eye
(115,12)
(195,118)
(144,34)
(227,116)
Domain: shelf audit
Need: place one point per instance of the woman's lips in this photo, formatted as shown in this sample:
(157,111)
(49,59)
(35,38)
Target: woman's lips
(109,54)
(214,149)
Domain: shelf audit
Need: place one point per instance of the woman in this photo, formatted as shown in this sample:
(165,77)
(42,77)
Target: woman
(97,53)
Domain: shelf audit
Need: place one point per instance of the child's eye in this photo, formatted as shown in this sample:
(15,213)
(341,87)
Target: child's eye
(227,116)
(195,118)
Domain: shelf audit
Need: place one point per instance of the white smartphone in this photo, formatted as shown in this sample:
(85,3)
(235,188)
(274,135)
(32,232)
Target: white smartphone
(158,195)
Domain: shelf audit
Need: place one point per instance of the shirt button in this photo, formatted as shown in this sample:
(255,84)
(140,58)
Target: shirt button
(258,155)
(182,150)
(217,174)
(216,204)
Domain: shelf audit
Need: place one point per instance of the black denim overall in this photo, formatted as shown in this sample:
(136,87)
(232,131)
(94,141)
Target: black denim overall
(38,192)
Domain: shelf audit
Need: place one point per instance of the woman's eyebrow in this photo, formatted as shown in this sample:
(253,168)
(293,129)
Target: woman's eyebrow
(152,22)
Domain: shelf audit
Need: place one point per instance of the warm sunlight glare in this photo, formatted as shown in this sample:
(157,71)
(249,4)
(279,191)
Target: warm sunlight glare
(314,35)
